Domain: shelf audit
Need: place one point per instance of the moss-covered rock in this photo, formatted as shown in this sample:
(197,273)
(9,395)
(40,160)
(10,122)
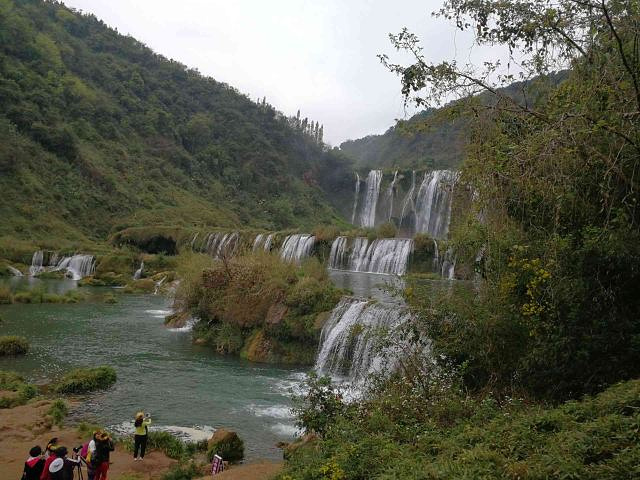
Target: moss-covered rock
(144,285)
(227,444)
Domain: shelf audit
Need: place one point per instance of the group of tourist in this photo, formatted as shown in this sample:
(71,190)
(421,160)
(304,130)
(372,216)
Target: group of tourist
(55,464)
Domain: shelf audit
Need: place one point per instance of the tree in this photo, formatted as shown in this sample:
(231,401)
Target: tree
(555,211)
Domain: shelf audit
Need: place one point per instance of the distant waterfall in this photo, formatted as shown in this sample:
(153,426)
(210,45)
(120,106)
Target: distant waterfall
(408,202)
(384,255)
(433,203)
(355,200)
(296,247)
(221,244)
(263,242)
(14,271)
(37,263)
(77,266)
(138,274)
(391,191)
(352,342)
(444,264)
(368,215)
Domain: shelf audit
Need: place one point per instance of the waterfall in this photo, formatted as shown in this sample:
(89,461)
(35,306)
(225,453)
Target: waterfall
(384,255)
(390,194)
(14,271)
(221,244)
(352,342)
(138,274)
(355,200)
(77,266)
(193,240)
(296,247)
(36,263)
(445,264)
(433,203)
(408,198)
(263,242)
(368,215)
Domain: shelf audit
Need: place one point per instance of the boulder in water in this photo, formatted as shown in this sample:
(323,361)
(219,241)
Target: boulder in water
(227,444)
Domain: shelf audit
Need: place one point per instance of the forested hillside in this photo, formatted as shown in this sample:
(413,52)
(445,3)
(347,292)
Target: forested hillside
(99,133)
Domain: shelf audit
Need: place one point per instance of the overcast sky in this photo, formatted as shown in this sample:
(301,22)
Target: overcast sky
(317,56)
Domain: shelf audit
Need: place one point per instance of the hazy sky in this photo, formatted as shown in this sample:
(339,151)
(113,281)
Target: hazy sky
(317,56)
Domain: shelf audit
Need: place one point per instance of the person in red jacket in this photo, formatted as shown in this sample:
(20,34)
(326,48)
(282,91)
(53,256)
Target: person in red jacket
(34,465)
(45,472)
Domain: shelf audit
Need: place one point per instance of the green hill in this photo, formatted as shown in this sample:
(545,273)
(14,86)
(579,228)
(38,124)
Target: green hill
(99,133)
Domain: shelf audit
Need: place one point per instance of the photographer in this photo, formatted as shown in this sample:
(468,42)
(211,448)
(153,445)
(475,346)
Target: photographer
(141,424)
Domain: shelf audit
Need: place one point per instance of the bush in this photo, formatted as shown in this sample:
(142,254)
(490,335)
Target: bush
(58,411)
(13,345)
(386,230)
(167,443)
(226,444)
(85,380)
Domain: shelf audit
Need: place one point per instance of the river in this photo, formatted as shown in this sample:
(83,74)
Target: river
(159,370)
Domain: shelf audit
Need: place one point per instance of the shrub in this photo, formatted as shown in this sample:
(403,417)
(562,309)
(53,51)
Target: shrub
(84,380)
(226,444)
(387,230)
(58,411)
(13,345)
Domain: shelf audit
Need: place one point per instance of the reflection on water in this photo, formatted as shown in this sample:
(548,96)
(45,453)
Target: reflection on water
(159,371)
(27,282)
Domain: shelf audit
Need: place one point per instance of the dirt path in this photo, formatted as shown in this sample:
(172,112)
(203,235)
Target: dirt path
(23,427)
(262,470)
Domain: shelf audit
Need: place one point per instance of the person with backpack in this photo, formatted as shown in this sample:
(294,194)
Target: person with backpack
(100,458)
(34,465)
(50,456)
(62,467)
(141,424)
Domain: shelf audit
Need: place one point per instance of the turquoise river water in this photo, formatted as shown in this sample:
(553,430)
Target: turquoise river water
(159,370)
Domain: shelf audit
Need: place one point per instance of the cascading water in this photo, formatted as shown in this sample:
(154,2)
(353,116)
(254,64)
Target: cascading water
(384,255)
(355,200)
(263,242)
(14,271)
(368,214)
(357,339)
(221,244)
(77,266)
(408,202)
(433,203)
(391,191)
(37,263)
(296,247)
(444,264)
(138,274)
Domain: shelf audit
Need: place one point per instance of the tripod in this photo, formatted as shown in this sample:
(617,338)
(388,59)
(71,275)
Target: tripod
(78,467)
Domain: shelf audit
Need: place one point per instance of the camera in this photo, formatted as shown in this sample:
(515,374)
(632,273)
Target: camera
(77,449)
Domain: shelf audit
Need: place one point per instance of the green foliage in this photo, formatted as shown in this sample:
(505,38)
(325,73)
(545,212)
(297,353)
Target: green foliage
(386,230)
(412,429)
(5,295)
(135,139)
(183,472)
(15,391)
(256,304)
(319,406)
(40,295)
(168,444)
(85,380)
(230,448)
(58,411)
(13,345)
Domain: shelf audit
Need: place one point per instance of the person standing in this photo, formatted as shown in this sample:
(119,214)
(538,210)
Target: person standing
(100,458)
(34,465)
(141,424)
